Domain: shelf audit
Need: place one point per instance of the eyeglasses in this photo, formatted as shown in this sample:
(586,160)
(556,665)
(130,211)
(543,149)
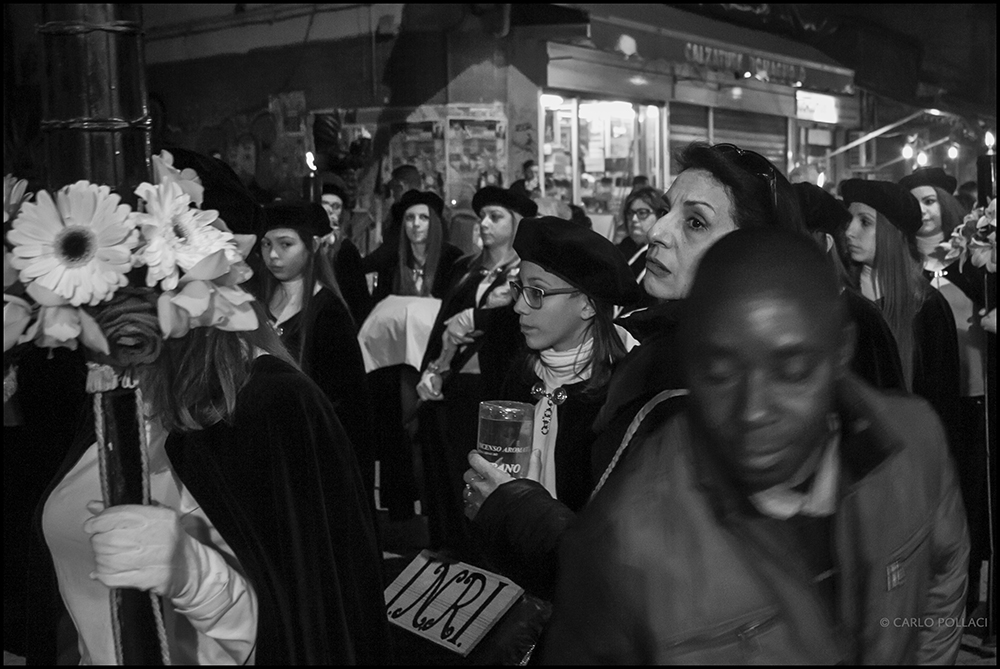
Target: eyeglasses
(533,296)
(641,214)
(755,164)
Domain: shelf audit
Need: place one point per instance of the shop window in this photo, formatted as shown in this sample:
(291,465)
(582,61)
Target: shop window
(616,140)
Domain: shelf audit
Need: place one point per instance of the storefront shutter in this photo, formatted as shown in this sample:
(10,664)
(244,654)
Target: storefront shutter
(687,123)
(763,133)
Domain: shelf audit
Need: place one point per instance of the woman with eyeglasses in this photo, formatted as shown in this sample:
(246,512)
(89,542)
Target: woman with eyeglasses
(569,282)
(471,345)
(641,209)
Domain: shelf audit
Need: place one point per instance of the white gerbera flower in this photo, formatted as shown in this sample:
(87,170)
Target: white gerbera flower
(177,235)
(79,246)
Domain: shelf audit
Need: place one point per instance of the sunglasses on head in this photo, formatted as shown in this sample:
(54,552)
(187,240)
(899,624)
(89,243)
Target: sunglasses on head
(755,164)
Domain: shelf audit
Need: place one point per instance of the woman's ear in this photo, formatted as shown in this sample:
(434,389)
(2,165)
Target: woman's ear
(589,310)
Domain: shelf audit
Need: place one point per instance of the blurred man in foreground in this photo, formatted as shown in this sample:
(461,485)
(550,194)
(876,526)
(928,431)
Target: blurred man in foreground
(791,514)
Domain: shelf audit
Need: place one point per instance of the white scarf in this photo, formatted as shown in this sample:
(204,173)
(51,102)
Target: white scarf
(556,369)
(783,501)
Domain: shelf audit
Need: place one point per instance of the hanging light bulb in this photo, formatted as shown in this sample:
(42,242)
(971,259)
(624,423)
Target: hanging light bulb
(990,140)
(907,152)
(821,179)
(953,152)
(310,161)
(921,159)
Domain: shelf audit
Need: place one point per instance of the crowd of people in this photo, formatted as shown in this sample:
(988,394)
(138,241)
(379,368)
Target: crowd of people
(759,427)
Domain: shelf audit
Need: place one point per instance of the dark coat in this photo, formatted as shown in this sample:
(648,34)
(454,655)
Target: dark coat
(670,565)
(283,488)
(876,356)
(331,357)
(281,485)
(385,263)
(500,340)
(350,275)
(936,363)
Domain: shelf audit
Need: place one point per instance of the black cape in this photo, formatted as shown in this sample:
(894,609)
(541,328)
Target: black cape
(282,487)
(331,356)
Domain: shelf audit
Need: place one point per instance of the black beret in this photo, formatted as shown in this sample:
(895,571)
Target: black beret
(224,191)
(331,184)
(512,200)
(412,197)
(929,176)
(307,217)
(583,258)
(889,199)
(821,211)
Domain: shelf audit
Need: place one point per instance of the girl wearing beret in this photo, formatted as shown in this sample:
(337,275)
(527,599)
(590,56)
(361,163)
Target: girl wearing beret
(963,288)
(571,278)
(422,264)
(304,302)
(471,346)
(886,267)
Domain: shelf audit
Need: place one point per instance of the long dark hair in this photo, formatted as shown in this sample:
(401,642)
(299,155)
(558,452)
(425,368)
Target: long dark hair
(608,350)
(898,272)
(404,282)
(196,379)
(317,270)
(753,205)
(952,211)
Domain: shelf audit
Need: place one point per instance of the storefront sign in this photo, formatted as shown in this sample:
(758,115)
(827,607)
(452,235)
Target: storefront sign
(452,604)
(675,46)
(765,69)
(811,106)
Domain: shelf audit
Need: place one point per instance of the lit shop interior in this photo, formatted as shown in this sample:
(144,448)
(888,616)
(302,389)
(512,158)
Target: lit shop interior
(593,148)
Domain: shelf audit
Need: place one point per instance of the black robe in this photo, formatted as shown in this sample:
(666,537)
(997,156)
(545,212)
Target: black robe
(385,262)
(282,487)
(936,363)
(347,268)
(876,356)
(331,356)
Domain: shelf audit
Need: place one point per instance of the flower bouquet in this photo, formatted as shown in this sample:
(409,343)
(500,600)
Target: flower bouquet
(86,269)
(975,241)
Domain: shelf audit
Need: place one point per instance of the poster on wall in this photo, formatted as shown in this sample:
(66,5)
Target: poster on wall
(420,144)
(477,157)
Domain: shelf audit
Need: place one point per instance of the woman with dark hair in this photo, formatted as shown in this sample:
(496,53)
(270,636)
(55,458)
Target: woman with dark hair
(306,307)
(963,287)
(424,262)
(422,265)
(886,268)
(639,211)
(471,346)
(719,188)
(570,280)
